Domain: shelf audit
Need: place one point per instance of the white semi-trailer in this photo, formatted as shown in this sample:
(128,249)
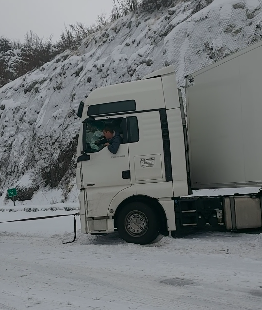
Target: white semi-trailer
(144,189)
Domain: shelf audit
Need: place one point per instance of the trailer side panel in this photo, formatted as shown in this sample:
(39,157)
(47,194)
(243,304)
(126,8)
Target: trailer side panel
(224,107)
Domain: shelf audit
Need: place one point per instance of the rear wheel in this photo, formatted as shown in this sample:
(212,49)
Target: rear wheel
(137,223)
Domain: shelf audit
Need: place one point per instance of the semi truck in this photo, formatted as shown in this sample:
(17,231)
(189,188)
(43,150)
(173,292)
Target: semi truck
(174,142)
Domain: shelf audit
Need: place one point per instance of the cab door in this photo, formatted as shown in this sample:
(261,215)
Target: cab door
(102,168)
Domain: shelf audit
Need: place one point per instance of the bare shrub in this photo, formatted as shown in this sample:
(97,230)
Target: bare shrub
(153,5)
(24,193)
(57,169)
(200,4)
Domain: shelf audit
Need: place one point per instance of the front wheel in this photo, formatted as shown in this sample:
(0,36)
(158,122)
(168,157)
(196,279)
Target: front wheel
(137,223)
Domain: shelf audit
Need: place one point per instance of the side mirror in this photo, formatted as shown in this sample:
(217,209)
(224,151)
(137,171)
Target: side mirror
(84,157)
(80,109)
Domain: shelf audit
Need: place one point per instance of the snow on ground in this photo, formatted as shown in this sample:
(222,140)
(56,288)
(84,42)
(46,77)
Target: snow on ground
(201,271)
(43,199)
(46,227)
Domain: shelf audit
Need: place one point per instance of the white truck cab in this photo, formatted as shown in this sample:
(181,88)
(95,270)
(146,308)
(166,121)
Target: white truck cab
(144,171)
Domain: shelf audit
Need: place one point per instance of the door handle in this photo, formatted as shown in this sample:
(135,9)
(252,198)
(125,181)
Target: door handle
(126,175)
(90,184)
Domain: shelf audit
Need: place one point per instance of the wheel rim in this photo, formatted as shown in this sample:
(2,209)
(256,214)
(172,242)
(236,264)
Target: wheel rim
(136,223)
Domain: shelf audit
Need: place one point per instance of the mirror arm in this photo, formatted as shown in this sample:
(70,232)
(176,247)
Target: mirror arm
(84,157)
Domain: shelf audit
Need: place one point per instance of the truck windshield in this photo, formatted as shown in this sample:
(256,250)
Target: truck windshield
(93,138)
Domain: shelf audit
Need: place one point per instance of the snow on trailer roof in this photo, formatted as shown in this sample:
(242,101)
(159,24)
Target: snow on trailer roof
(226,59)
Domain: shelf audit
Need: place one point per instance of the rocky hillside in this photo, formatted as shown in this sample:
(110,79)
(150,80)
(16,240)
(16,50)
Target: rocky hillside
(38,125)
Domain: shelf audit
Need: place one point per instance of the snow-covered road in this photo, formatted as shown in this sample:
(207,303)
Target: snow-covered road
(205,271)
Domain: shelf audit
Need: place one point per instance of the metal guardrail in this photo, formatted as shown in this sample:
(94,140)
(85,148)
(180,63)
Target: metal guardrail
(47,217)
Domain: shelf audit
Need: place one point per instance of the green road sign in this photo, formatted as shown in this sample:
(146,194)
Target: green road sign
(11,192)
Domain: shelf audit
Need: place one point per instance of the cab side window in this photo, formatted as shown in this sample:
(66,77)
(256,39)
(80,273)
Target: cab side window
(94,140)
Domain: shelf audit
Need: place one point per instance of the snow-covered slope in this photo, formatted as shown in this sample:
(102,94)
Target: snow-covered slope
(38,126)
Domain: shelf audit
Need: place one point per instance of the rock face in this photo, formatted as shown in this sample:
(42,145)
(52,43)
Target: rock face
(38,125)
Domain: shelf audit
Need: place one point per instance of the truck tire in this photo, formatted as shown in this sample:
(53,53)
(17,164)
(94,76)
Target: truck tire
(137,223)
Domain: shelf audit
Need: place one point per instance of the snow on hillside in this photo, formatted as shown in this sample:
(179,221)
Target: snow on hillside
(38,125)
